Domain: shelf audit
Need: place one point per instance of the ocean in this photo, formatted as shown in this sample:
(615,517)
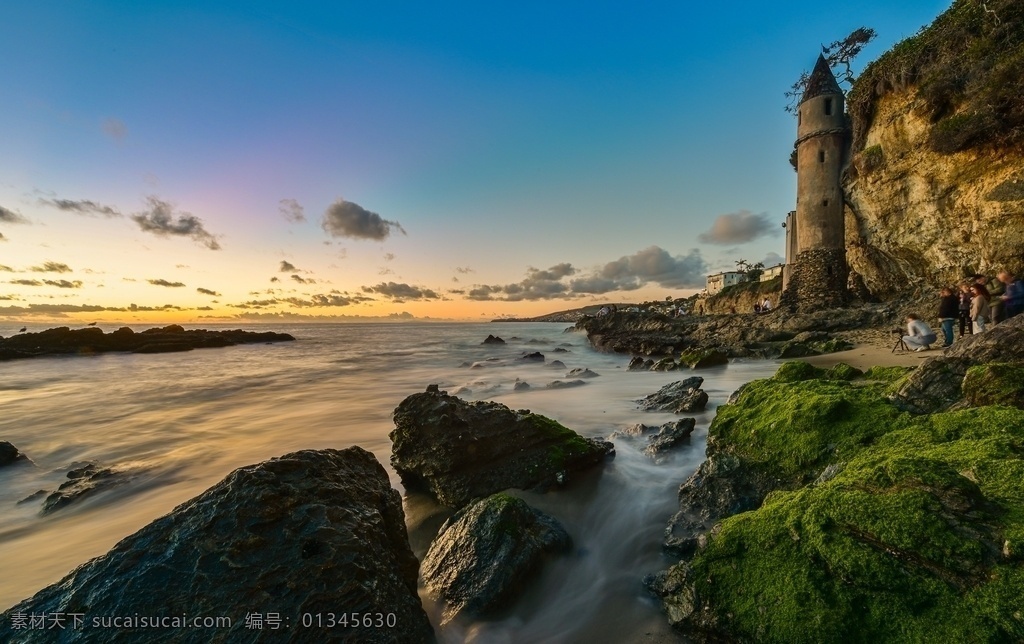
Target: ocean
(180,422)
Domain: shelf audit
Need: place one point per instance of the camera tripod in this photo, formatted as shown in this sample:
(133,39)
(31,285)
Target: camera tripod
(900,344)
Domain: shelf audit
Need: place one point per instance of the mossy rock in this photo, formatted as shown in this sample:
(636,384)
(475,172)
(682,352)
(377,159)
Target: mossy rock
(665,364)
(798,370)
(916,539)
(995,384)
(843,371)
(832,345)
(703,359)
(887,374)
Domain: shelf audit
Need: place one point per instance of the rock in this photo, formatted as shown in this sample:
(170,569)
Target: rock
(536,356)
(843,371)
(798,370)
(995,384)
(556,364)
(1003,342)
(636,364)
(703,359)
(461,451)
(582,373)
(669,436)
(665,364)
(492,339)
(565,384)
(484,555)
(677,397)
(312,532)
(92,340)
(678,593)
(559,350)
(633,431)
(9,454)
(520,386)
(83,482)
(932,387)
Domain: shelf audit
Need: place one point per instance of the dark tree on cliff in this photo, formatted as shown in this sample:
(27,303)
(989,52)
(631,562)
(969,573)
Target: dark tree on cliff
(839,55)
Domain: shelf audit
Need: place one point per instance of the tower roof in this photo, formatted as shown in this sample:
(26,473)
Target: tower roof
(821,81)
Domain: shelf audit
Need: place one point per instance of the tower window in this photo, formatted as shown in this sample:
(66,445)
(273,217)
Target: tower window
(821,156)
(828,107)
(799,117)
(825,203)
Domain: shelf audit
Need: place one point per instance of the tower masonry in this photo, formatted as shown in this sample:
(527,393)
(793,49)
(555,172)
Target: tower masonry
(816,237)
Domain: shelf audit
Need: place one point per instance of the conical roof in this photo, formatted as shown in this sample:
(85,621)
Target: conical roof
(821,81)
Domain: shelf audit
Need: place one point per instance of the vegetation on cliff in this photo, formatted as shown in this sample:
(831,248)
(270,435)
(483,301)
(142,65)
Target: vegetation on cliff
(968,68)
(899,527)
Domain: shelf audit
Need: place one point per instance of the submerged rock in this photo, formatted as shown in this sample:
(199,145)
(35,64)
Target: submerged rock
(311,532)
(9,454)
(484,555)
(83,482)
(582,373)
(565,384)
(669,436)
(536,356)
(677,397)
(460,451)
(521,385)
(636,364)
(556,364)
(492,339)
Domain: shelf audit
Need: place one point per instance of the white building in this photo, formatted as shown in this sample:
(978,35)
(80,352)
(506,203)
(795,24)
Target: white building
(718,281)
(772,272)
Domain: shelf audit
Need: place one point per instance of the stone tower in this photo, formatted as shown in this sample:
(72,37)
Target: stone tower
(816,247)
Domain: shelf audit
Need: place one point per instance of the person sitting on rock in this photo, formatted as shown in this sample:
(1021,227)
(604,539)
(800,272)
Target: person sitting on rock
(948,313)
(920,336)
(1013,299)
(766,305)
(980,312)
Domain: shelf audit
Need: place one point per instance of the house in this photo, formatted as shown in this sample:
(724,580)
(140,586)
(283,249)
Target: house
(772,272)
(718,281)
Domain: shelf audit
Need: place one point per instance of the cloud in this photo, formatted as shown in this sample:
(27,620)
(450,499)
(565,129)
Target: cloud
(2,238)
(274,279)
(53,310)
(301,280)
(166,283)
(651,265)
(26,282)
(389,257)
(403,292)
(206,291)
(8,216)
(464,270)
(115,129)
(160,220)
(51,267)
(348,219)
(291,210)
(6,269)
(739,228)
(82,207)
(385,271)
(64,283)
(287,267)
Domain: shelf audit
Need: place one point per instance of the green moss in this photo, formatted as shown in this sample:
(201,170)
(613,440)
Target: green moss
(566,445)
(843,371)
(797,370)
(912,541)
(995,384)
(887,374)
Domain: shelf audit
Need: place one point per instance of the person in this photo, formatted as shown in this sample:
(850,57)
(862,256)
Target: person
(949,310)
(995,297)
(1013,299)
(965,308)
(980,312)
(757,308)
(766,305)
(919,335)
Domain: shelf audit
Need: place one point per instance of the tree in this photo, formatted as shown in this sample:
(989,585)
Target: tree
(839,55)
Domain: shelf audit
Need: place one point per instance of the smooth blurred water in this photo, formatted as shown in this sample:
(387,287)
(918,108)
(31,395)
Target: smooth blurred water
(182,421)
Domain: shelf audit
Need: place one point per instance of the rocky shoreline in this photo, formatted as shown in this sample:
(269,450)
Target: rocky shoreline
(91,341)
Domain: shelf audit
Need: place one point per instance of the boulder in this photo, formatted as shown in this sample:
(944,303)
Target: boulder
(460,451)
(520,385)
(633,431)
(670,435)
(665,364)
(636,364)
(559,350)
(485,554)
(82,482)
(798,370)
(995,384)
(677,397)
(536,356)
(843,371)
(703,359)
(9,454)
(492,339)
(565,384)
(582,373)
(932,387)
(556,364)
(309,533)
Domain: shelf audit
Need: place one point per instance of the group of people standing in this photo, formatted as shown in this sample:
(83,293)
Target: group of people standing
(980,303)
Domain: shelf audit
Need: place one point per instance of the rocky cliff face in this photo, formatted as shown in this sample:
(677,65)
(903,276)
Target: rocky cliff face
(919,216)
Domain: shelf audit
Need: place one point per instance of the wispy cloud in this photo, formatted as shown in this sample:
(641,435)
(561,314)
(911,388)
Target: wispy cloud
(292,210)
(287,267)
(206,291)
(63,283)
(51,267)
(163,282)
(8,216)
(349,219)
(739,228)
(82,207)
(161,220)
(402,292)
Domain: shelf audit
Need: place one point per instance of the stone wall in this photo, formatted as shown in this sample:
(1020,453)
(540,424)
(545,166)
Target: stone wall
(818,281)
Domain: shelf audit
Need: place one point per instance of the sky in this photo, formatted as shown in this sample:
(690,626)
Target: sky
(263,161)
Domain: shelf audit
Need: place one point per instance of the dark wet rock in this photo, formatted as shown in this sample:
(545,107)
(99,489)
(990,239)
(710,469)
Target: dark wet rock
(484,555)
(677,397)
(565,384)
(637,333)
(703,359)
(92,340)
(636,364)
(536,356)
(633,431)
(9,454)
(582,373)
(83,482)
(995,384)
(665,364)
(670,435)
(492,339)
(35,496)
(460,451)
(521,385)
(556,364)
(559,350)
(934,386)
(677,591)
(310,532)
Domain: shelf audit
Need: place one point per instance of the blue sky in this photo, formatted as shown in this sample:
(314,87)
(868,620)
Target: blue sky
(499,136)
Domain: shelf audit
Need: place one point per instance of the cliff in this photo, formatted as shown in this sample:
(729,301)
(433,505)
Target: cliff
(935,186)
